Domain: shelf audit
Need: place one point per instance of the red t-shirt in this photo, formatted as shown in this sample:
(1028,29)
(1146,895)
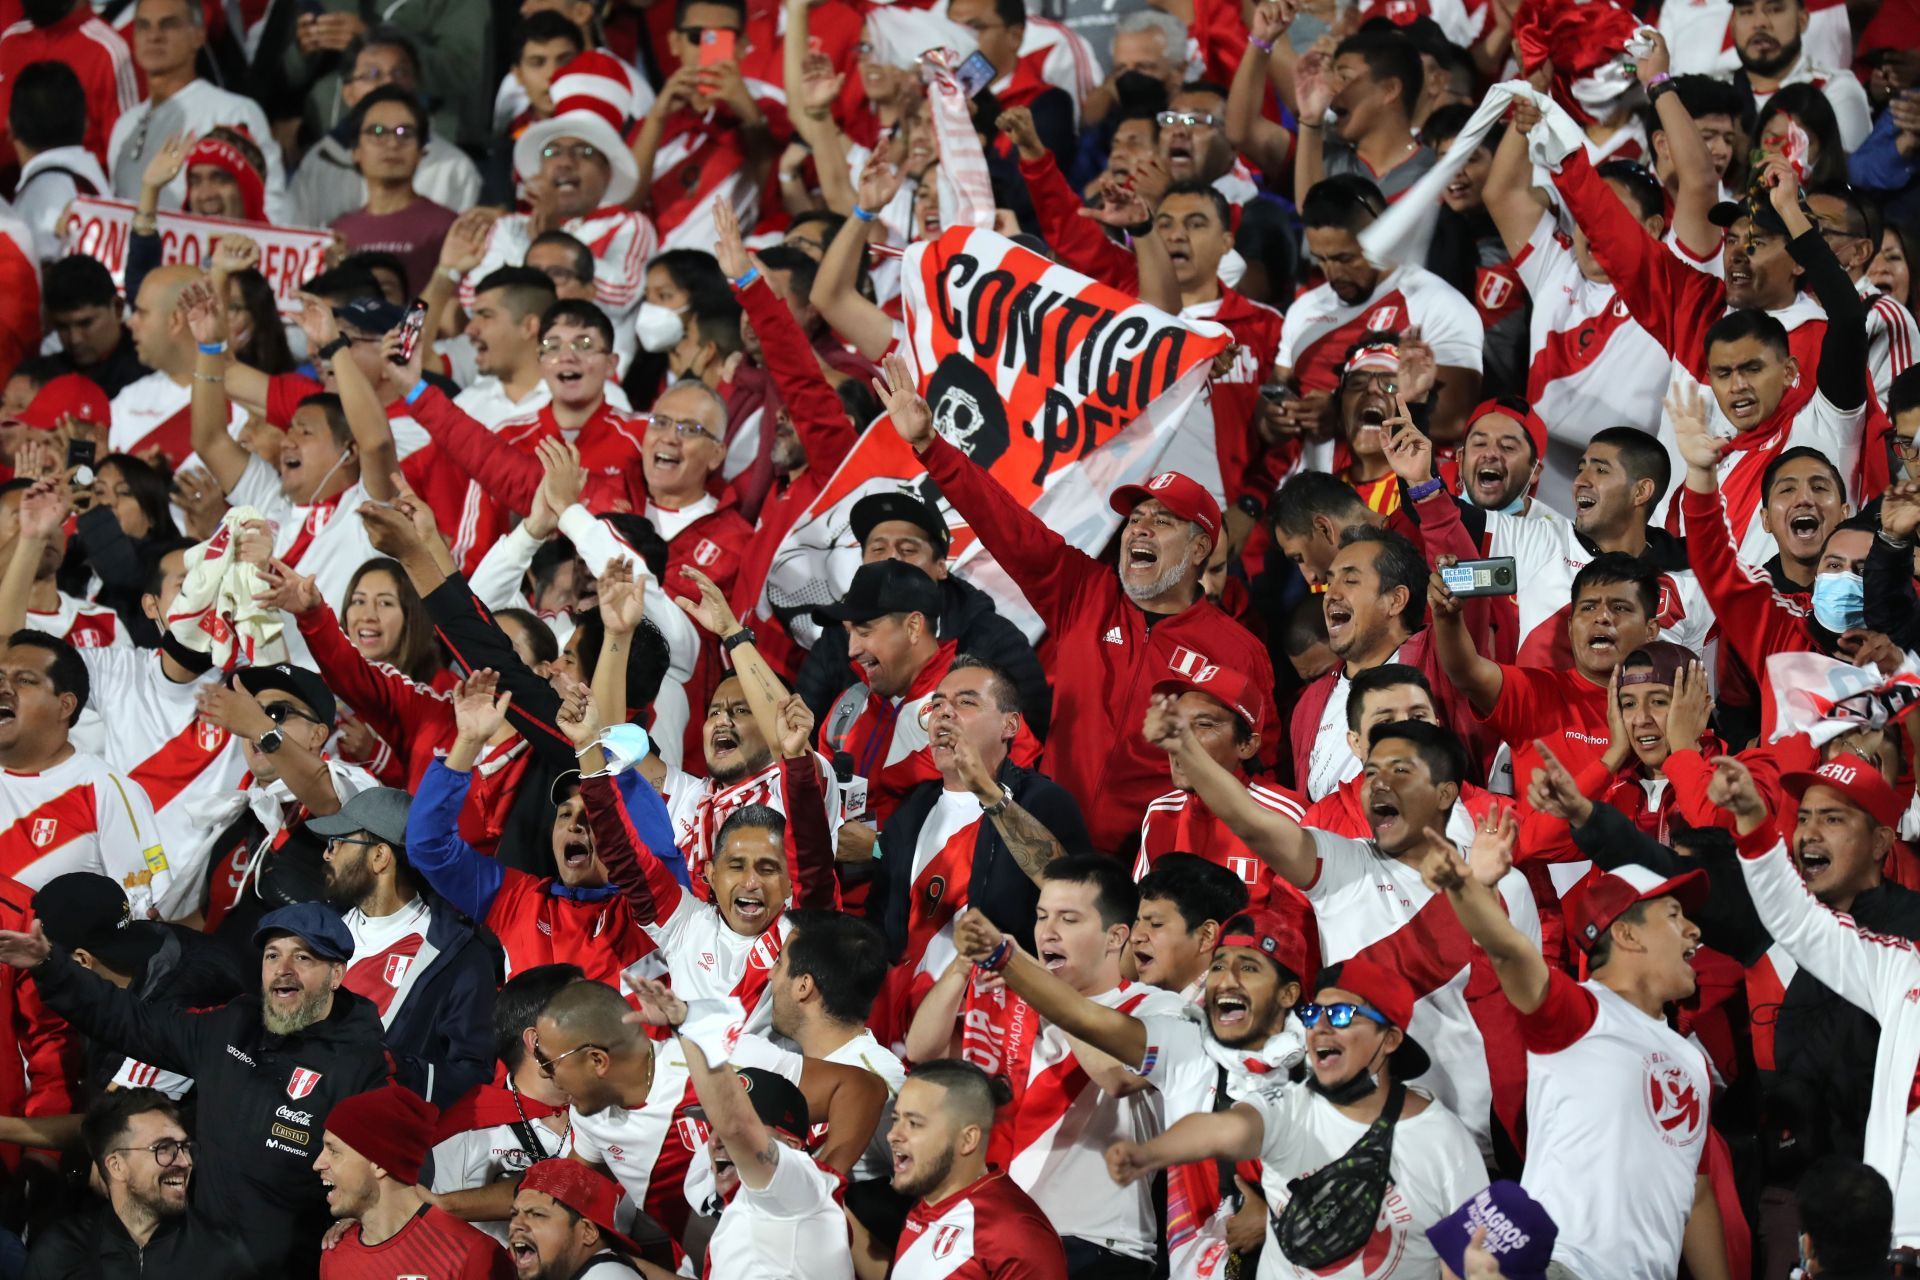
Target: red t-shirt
(434,1243)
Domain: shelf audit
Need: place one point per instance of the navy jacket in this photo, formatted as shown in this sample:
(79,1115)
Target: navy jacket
(442,1037)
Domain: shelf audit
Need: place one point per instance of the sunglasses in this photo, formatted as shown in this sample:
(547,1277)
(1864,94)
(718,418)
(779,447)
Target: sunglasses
(547,1064)
(1339,1016)
(279,711)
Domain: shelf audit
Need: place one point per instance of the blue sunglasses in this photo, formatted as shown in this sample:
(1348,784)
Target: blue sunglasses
(1339,1016)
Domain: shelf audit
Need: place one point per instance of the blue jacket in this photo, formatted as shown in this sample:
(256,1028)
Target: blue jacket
(1879,167)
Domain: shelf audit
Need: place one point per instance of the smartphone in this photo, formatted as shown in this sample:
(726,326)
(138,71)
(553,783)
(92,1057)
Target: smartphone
(411,327)
(716,46)
(975,74)
(1481,577)
(80,453)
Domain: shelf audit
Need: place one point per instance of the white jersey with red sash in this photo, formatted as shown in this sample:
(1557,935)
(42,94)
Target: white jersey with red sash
(389,953)
(82,624)
(698,809)
(80,815)
(1320,327)
(324,540)
(701,161)
(1053,1136)
(277,811)
(155,412)
(649,1149)
(708,958)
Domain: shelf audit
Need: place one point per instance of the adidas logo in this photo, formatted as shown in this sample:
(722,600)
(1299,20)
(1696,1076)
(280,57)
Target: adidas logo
(1113,636)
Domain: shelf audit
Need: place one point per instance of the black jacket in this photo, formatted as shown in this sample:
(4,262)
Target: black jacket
(969,619)
(1822,1085)
(92,1244)
(184,969)
(442,1037)
(997,885)
(265,1098)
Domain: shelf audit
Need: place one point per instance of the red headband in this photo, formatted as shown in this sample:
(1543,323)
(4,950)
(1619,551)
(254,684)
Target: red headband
(227,158)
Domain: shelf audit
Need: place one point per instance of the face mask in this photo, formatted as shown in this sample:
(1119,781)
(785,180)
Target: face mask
(1839,601)
(659,327)
(1348,1091)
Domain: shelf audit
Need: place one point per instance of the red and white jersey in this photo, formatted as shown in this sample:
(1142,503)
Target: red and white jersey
(1628,142)
(649,1150)
(622,241)
(1434,1169)
(763,1234)
(154,411)
(1055,1133)
(989,1230)
(82,624)
(710,960)
(1592,366)
(1370,904)
(481,1156)
(178,759)
(1609,1087)
(697,166)
(698,809)
(1843,91)
(1180,822)
(1893,338)
(1548,554)
(325,541)
(1320,327)
(389,955)
(1697,33)
(487,403)
(80,815)
(941,877)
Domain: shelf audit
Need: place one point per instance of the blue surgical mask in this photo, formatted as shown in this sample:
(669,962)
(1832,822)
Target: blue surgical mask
(1839,601)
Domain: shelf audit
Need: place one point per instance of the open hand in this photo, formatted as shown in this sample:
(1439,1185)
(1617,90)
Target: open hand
(478,709)
(711,610)
(911,415)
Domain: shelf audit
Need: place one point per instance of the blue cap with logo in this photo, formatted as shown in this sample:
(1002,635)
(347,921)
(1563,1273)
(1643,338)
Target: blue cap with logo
(314,923)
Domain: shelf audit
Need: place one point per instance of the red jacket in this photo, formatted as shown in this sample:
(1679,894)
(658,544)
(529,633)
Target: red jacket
(1107,659)
(41,1048)
(98,56)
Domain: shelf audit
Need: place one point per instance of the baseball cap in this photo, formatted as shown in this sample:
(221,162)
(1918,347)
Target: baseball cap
(883,587)
(1766,219)
(382,811)
(1663,661)
(777,1101)
(1530,422)
(1519,1232)
(1601,899)
(1860,782)
(370,314)
(1224,685)
(592,1195)
(1180,494)
(298,681)
(1272,936)
(878,508)
(86,910)
(314,923)
(1388,994)
(69,395)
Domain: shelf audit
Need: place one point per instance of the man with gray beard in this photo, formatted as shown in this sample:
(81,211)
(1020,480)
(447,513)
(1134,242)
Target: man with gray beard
(268,1067)
(1119,629)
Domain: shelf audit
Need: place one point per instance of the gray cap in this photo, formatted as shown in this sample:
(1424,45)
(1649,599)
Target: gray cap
(381,811)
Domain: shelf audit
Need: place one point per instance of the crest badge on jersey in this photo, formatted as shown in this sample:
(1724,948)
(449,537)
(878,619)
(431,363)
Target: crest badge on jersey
(44,830)
(693,1133)
(396,971)
(1672,610)
(1494,290)
(1387,317)
(302,1083)
(211,737)
(764,951)
(946,1238)
(1194,666)
(706,552)
(1673,1101)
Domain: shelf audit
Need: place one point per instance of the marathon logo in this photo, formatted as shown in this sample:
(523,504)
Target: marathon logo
(233,1052)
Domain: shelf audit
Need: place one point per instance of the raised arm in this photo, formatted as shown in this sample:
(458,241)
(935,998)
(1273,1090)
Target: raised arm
(1077,241)
(647,883)
(680,91)
(453,868)
(224,456)
(1313,89)
(43,509)
(367,417)
(1479,678)
(106,1013)
(1508,194)
(1119,1035)
(508,476)
(836,291)
(1699,185)
(1891,605)
(935,1031)
(1235,1134)
(303,769)
(1265,144)
(1280,842)
(1470,884)
(1842,377)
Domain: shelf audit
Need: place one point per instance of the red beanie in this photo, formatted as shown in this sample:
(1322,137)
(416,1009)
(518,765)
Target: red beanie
(229,159)
(390,1126)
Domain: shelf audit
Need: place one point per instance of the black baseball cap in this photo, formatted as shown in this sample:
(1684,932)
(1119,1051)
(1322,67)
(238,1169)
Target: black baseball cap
(83,910)
(1766,219)
(777,1101)
(881,588)
(878,508)
(301,683)
(370,314)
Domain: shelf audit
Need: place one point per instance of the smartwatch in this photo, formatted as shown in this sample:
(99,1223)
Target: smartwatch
(743,636)
(333,348)
(269,742)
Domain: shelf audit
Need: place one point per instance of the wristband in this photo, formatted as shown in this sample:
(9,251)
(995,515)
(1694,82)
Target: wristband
(417,390)
(1425,489)
(333,348)
(1264,46)
(1897,544)
(862,215)
(753,273)
(213,348)
(1659,86)
(997,958)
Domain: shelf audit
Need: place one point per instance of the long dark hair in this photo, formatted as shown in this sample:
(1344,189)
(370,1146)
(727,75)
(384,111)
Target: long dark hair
(266,347)
(419,654)
(150,488)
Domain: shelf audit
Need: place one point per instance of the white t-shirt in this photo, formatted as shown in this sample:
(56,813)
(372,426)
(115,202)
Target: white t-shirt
(339,545)
(480,1157)
(146,403)
(1362,898)
(389,954)
(790,1229)
(1434,1168)
(630,1143)
(80,815)
(863,1051)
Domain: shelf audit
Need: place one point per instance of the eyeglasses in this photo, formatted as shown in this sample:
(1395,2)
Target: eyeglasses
(373,75)
(547,1064)
(563,275)
(279,711)
(1908,449)
(578,152)
(339,840)
(1191,119)
(1339,1016)
(863,49)
(552,348)
(398,132)
(681,427)
(166,1153)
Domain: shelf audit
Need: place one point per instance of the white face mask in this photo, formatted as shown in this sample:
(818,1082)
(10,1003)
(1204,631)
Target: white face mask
(659,327)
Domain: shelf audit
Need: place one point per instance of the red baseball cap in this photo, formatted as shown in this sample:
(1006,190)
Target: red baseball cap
(1180,494)
(1272,936)
(1391,997)
(1604,897)
(1530,422)
(592,1195)
(1860,782)
(1229,688)
(70,394)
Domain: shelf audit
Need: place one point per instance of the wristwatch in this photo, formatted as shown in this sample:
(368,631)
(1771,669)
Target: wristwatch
(333,348)
(269,742)
(743,636)
(999,806)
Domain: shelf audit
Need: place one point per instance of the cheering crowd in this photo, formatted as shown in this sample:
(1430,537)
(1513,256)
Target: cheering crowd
(828,638)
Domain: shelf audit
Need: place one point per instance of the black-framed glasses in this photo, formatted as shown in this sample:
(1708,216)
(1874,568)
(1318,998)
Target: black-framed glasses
(1339,1016)
(279,711)
(398,132)
(1908,449)
(547,1064)
(167,1152)
(339,840)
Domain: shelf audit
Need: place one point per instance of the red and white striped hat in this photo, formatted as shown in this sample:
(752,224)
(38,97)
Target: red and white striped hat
(593,100)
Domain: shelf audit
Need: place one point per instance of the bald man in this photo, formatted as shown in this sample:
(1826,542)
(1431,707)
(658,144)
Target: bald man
(153,411)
